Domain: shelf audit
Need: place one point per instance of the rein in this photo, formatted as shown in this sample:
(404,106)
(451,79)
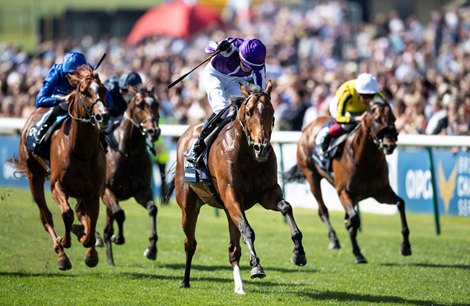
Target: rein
(90,117)
(140,127)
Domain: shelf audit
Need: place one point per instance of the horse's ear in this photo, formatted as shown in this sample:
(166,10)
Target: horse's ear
(244,91)
(150,87)
(269,86)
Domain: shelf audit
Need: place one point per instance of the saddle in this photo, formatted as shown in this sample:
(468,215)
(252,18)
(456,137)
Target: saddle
(199,177)
(334,149)
(43,146)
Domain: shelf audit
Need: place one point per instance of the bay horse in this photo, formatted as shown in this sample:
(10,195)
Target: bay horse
(129,168)
(77,166)
(243,172)
(358,171)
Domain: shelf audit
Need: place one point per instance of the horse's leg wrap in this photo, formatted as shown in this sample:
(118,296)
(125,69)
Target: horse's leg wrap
(298,256)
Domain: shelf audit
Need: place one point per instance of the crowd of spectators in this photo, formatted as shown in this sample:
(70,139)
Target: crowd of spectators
(423,68)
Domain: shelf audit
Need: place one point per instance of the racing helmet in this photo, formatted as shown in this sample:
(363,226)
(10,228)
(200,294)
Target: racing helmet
(367,84)
(73,60)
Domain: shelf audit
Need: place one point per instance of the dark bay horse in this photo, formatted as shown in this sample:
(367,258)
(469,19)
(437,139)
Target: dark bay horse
(359,171)
(129,168)
(77,166)
(243,172)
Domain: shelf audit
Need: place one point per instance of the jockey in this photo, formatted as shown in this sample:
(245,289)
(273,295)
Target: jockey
(129,79)
(351,100)
(118,89)
(239,61)
(54,93)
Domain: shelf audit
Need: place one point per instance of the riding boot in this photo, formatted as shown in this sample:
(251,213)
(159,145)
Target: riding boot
(198,145)
(325,144)
(322,142)
(49,120)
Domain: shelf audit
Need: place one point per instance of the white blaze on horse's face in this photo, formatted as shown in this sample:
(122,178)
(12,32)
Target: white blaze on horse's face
(145,114)
(260,127)
(99,113)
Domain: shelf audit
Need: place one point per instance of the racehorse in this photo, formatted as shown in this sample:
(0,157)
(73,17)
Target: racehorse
(243,172)
(129,168)
(358,171)
(77,166)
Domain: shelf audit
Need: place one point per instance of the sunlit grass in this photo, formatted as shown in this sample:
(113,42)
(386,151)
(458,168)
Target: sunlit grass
(436,274)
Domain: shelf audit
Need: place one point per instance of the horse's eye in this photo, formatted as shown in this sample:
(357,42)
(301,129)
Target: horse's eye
(140,106)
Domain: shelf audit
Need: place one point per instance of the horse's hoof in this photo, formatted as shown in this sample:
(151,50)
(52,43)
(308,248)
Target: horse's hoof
(361,259)
(99,241)
(257,272)
(334,245)
(184,284)
(92,259)
(118,239)
(405,250)
(152,255)
(64,264)
(299,259)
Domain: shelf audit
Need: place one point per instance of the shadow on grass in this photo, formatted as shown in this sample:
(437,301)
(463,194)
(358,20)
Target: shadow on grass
(29,274)
(427,265)
(181,267)
(372,299)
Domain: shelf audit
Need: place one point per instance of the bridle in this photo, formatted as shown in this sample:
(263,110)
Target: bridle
(140,125)
(242,120)
(90,117)
(389,130)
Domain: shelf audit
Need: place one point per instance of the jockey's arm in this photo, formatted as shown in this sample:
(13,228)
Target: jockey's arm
(46,97)
(341,116)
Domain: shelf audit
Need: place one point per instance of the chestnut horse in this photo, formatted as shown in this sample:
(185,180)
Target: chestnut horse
(129,168)
(77,166)
(359,171)
(243,172)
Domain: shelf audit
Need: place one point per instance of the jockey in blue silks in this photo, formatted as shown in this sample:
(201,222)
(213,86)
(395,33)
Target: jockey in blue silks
(54,93)
(118,88)
(239,61)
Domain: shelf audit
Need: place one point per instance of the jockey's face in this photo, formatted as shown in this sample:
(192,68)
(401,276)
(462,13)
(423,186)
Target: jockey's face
(244,67)
(366,98)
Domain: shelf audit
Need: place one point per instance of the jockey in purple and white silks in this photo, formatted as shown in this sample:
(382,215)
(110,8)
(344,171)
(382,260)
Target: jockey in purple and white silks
(239,61)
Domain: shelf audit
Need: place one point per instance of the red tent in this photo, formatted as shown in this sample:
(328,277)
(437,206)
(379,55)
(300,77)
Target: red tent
(175,19)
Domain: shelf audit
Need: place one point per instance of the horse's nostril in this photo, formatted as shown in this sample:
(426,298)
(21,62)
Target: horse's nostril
(98,118)
(256,147)
(151,132)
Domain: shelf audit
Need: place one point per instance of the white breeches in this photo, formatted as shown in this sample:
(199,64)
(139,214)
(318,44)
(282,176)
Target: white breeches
(220,87)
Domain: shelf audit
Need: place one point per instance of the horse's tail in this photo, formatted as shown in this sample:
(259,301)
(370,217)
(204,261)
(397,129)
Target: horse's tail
(20,166)
(169,186)
(294,175)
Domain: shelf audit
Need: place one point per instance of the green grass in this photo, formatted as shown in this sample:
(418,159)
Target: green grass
(438,272)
